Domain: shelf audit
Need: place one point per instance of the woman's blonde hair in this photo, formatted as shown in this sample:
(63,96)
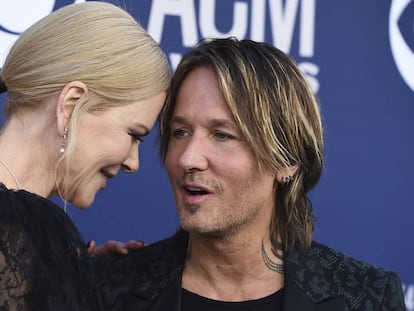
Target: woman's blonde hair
(96,43)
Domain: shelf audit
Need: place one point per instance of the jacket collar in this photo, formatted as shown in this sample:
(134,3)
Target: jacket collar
(160,266)
(307,283)
(308,280)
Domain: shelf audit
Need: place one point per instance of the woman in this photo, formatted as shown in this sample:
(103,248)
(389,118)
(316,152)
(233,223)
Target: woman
(85,85)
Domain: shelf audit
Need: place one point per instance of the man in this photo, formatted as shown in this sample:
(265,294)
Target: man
(241,139)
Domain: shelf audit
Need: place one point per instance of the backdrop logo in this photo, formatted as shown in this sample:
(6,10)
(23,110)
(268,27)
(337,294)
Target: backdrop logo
(17,16)
(408,290)
(401,31)
(287,24)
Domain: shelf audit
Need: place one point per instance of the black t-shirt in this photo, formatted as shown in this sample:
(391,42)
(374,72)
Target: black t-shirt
(192,301)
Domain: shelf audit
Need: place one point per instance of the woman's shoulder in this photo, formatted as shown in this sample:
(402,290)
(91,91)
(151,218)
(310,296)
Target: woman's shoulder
(29,208)
(37,221)
(19,257)
(39,252)
(18,208)
(15,201)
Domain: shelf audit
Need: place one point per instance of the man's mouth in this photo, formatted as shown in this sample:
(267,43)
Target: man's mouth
(195,191)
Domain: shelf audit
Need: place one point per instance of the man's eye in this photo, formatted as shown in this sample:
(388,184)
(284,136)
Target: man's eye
(223,136)
(180,133)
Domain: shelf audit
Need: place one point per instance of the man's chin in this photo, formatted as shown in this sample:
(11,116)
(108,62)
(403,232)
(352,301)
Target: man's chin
(203,231)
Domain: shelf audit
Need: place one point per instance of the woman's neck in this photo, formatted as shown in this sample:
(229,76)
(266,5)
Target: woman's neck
(26,156)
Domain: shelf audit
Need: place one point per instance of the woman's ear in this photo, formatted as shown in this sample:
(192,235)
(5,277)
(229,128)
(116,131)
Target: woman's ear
(67,100)
(285,175)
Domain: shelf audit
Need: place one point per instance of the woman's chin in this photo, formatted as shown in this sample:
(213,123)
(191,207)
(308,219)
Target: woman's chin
(83,202)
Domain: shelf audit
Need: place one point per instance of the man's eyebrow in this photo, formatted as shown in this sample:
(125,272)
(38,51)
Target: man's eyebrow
(178,119)
(225,123)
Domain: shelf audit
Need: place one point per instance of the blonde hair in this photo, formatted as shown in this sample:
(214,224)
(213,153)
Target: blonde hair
(93,42)
(277,114)
(96,43)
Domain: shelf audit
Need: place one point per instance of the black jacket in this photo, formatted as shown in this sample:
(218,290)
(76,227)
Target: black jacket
(319,279)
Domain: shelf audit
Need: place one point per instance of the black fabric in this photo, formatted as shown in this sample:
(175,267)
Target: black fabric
(137,281)
(323,273)
(3,87)
(40,252)
(191,302)
(319,279)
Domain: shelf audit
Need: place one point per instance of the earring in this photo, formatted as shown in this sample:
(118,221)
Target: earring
(62,148)
(286,180)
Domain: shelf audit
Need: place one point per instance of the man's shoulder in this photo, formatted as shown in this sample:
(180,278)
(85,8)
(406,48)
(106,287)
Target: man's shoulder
(335,262)
(148,267)
(324,272)
(166,252)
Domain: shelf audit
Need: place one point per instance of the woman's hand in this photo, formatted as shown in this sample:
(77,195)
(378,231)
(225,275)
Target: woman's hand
(113,247)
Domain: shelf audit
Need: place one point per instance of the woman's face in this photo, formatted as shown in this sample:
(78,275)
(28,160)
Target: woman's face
(108,141)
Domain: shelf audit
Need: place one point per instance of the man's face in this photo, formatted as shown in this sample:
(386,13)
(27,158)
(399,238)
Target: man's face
(217,185)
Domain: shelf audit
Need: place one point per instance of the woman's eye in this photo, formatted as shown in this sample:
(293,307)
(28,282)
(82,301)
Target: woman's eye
(136,137)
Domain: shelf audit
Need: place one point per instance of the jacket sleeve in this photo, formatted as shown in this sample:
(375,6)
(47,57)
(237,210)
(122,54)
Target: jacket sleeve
(393,296)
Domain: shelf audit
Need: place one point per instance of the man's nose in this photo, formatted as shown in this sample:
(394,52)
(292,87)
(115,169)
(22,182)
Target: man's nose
(194,155)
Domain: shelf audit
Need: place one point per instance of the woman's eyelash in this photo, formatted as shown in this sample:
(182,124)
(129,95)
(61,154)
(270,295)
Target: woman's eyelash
(136,137)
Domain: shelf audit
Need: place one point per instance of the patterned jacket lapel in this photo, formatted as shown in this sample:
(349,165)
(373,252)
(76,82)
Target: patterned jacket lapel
(307,283)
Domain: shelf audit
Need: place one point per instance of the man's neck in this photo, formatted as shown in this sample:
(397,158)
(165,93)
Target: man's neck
(230,268)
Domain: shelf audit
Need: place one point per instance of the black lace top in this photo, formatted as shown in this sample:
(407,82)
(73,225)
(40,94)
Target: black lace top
(40,257)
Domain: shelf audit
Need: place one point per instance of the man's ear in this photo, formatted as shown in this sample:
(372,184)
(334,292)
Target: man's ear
(67,100)
(286,174)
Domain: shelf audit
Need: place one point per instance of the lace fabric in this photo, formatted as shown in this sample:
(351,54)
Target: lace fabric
(43,260)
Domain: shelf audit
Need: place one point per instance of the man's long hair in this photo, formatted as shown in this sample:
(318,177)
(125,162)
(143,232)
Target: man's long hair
(277,114)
